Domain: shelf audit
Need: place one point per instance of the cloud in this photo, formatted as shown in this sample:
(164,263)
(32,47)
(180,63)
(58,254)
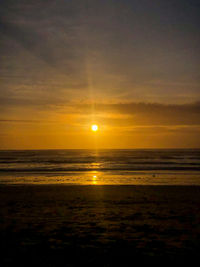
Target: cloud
(47,44)
(150,113)
(134,107)
(25,121)
(53,51)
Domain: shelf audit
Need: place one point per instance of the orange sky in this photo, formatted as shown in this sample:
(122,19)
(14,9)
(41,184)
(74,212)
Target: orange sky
(120,126)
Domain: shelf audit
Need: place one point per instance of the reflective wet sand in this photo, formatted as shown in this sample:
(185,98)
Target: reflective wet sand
(103,178)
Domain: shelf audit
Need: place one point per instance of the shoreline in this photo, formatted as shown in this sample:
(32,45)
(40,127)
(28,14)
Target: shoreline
(97,185)
(103,178)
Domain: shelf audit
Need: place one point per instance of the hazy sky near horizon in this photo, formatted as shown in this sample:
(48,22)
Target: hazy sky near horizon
(131,66)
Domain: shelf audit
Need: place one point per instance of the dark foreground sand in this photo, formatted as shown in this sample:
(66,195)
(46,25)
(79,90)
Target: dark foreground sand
(99,225)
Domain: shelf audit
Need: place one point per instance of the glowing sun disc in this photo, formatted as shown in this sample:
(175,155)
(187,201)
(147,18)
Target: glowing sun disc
(94,127)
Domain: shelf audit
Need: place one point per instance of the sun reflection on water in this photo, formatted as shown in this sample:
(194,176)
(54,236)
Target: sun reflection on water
(94,179)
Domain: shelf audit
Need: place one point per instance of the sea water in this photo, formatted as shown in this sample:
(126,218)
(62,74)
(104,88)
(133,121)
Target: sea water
(98,167)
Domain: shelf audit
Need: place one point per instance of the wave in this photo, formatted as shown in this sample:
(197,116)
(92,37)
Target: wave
(149,168)
(103,160)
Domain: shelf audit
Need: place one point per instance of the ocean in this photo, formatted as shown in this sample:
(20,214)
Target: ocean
(99,167)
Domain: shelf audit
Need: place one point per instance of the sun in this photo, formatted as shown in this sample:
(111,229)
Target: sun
(94,128)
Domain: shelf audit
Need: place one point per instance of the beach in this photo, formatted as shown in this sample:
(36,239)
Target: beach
(109,225)
(99,133)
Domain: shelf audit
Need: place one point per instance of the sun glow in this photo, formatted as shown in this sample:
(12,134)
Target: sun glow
(94,127)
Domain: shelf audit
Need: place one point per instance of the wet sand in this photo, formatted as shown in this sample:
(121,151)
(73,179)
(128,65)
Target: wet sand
(58,225)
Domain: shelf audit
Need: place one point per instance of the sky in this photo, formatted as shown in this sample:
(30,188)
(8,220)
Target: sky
(130,66)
